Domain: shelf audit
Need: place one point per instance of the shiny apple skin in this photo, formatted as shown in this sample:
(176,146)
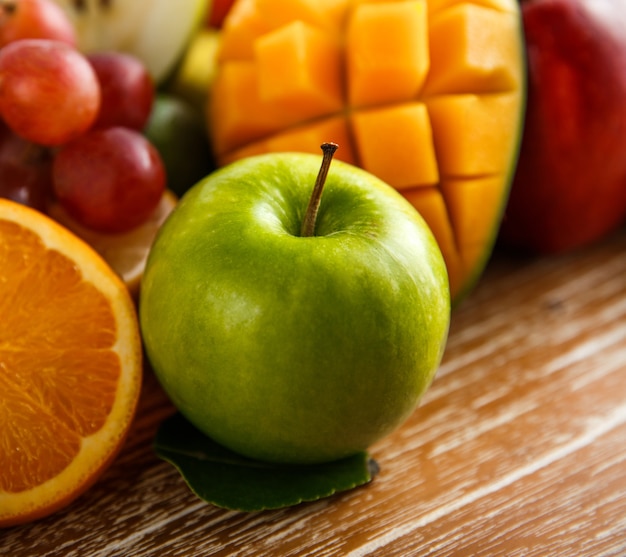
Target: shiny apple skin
(287,348)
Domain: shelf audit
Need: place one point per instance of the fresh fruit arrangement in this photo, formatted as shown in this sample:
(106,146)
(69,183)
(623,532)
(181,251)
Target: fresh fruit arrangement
(53,96)
(72,135)
(294,313)
(426,95)
(72,146)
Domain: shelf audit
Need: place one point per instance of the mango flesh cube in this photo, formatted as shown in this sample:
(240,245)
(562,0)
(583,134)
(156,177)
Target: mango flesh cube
(249,20)
(239,115)
(300,68)
(386,52)
(471,48)
(304,139)
(473,134)
(309,137)
(435,6)
(431,205)
(471,203)
(324,14)
(249,150)
(245,23)
(396,144)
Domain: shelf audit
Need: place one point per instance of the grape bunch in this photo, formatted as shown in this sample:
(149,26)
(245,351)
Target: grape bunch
(71,123)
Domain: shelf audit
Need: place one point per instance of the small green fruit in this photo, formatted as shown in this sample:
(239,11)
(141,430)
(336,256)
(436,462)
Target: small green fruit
(286,347)
(177,130)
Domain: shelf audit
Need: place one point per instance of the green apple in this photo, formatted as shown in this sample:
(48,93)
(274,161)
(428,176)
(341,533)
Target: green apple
(156,31)
(288,346)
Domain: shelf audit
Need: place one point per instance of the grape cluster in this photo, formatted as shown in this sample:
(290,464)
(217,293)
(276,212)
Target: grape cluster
(71,123)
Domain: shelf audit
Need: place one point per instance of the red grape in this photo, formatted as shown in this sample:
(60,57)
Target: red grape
(25,170)
(34,19)
(127,90)
(49,93)
(109,180)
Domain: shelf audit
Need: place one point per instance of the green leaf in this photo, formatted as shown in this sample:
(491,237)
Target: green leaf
(226,479)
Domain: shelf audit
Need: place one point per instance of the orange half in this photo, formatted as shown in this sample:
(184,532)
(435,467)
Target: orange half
(70,365)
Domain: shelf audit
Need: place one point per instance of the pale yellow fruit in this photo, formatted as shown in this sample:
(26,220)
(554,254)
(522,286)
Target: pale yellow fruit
(194,76)
(126,253)
(156,31)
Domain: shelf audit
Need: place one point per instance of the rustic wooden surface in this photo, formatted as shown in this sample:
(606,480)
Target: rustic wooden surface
(518,448)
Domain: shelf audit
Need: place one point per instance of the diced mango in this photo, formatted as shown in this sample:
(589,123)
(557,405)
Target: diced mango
(426,94)
(249,150)
(244,24)
(238,114)
(308,138)
(474,205)
(300,68)
(396,144)
(430,204)
(326,14)
(386,52)
(471,48)
(511,6)
(473,134)
(304,139)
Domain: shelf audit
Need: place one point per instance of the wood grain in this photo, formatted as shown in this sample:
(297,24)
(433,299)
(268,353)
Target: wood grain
(518,448)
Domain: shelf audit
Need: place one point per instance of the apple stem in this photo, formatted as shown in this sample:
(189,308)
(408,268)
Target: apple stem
(310,217)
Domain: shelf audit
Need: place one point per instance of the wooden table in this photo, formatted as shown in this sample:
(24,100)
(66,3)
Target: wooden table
(518,448)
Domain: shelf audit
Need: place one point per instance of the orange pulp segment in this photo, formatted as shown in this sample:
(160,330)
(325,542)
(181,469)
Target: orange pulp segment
(70,365)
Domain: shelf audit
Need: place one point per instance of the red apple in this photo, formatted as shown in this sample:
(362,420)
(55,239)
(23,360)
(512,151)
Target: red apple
(570,185)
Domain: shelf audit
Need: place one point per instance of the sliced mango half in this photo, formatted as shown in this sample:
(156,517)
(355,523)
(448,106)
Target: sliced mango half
(426,94)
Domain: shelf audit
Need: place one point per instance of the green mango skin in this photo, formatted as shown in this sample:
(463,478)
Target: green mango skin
(286,348)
